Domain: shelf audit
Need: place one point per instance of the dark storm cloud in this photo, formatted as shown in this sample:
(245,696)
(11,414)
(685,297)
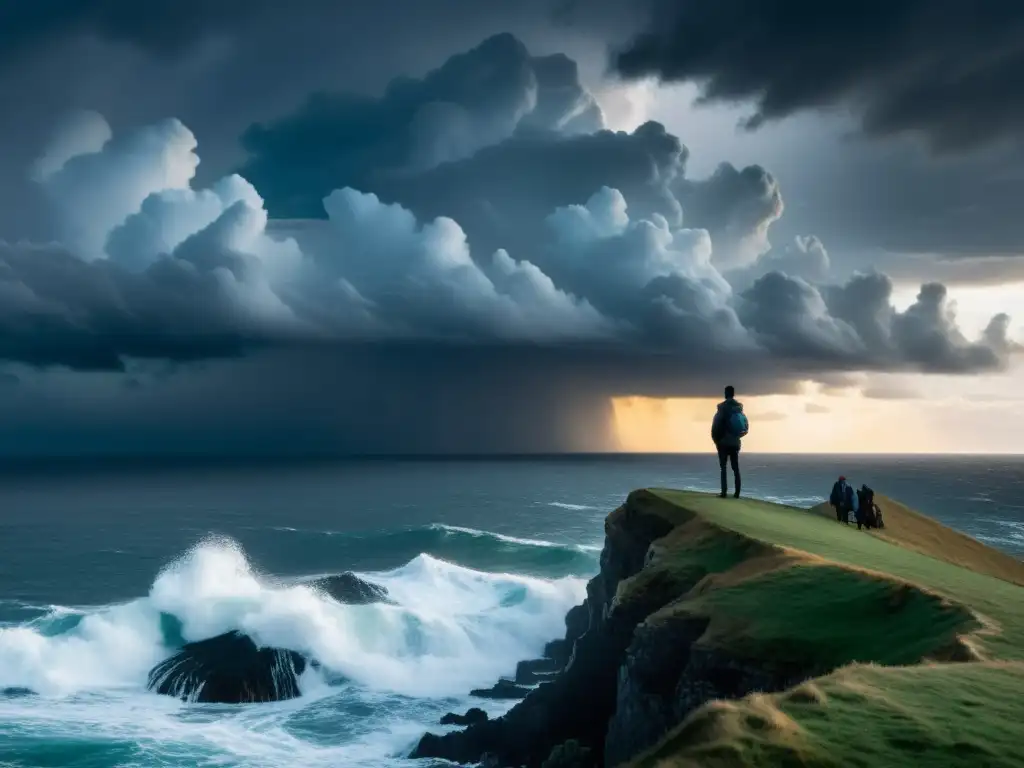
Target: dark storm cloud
(170,26)
(948,69)
(474,100)
(61,310)
(163,270)
(497,139)
(220,65)
(893,204)
(484,267)
(161,26)
(854,325)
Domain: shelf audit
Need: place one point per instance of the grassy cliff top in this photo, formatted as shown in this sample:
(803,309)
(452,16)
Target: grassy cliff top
(890,611)
(816,540)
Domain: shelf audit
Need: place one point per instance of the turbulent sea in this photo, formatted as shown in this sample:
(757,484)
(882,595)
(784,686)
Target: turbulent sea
(481,558)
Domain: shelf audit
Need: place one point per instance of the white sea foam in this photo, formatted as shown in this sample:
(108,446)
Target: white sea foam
(170,733)
(499,536)
(567,505)
(110,648)
(452,628)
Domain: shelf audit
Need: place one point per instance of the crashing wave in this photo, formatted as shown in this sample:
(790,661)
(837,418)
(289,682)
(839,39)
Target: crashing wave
(448,629)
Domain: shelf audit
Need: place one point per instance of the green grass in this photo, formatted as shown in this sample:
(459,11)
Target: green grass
(996,601)
(819,617)
(788,587)
(682,558)
(948,716)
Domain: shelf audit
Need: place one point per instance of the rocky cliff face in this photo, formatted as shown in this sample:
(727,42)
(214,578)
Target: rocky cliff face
(626,681)
(578,703)
(664,678)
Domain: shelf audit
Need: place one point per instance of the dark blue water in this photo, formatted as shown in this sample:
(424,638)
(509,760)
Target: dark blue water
(482,556)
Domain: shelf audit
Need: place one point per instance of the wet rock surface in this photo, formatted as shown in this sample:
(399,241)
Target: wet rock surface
(503,689)
(473,716)
(228,669)
(350,589)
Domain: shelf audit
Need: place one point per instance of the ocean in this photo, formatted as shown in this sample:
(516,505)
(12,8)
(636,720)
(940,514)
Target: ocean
(482,558)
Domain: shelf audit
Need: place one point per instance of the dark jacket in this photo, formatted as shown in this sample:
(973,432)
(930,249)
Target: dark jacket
(842,493)
(720,433)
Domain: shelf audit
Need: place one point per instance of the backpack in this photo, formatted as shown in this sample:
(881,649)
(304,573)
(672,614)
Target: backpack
(738,424)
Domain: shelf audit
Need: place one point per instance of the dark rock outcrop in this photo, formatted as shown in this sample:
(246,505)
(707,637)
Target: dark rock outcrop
(645,705)
(665,678)
(228,669)
(473,716)
(350,589)
(558,651)
(577,620)
(503,689)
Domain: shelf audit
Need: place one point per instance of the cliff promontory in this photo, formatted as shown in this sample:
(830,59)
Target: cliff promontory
(724,632)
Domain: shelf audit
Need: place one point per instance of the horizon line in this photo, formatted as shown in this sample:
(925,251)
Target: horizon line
(22,459)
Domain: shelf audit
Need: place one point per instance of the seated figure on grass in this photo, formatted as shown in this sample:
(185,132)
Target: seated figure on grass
(868,513)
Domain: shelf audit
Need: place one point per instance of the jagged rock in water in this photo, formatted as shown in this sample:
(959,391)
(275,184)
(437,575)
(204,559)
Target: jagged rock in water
(536,671)
(228,669)
(350,589)
(503,689)
(473,716)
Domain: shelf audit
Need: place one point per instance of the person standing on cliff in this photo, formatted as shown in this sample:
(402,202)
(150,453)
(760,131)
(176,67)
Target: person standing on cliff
(842,499)
(728,429)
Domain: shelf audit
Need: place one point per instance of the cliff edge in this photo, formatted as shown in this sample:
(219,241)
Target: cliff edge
(725,632)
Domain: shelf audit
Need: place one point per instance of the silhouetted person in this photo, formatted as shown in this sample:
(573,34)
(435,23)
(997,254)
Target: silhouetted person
(842,499)
(727,431)
(868,512)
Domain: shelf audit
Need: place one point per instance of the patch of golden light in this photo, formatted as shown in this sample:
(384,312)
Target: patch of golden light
(822,423)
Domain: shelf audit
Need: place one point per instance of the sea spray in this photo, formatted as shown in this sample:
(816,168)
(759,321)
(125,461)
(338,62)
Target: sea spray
(113,647)
(451,628)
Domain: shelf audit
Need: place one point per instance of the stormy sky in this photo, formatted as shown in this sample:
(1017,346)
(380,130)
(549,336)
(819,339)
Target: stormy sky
(469,225)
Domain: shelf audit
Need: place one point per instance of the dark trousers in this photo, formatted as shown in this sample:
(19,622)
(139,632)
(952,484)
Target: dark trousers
(843,513)
(730,455)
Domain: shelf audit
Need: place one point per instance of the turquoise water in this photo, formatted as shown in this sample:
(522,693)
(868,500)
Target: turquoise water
(106,568)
